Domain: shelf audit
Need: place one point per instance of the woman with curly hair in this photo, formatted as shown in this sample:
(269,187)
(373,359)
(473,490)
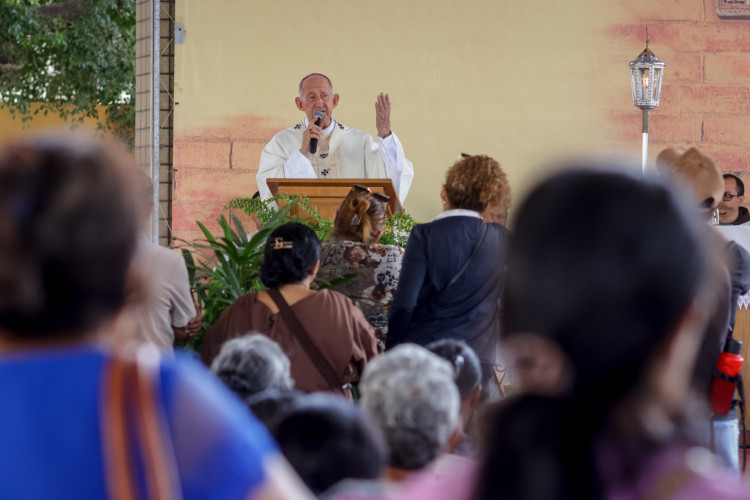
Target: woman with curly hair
(354,249)
(451,279)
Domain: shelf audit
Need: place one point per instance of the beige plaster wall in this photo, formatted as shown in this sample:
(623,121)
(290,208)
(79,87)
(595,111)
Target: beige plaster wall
(524,82)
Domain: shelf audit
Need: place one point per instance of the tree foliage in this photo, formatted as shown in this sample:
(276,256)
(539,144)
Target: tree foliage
(73,58)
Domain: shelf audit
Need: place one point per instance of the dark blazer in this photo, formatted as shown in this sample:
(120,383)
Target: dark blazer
(470,309)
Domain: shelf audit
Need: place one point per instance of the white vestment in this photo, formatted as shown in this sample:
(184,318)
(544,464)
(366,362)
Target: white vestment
(343,152)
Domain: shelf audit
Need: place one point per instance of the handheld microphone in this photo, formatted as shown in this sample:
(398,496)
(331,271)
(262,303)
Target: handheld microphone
(314,142)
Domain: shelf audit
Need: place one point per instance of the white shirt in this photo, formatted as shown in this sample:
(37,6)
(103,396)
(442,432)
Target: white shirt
(457,212)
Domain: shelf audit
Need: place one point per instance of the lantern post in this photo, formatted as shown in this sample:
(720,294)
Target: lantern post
(645,79)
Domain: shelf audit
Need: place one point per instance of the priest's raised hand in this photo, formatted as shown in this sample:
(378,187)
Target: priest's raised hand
(383,115)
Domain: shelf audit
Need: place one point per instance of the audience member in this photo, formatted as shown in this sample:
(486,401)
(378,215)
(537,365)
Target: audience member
(353,248)
(731,211)
(168,312)
(701,177)
(467,374)
(612,270)
(411,394)
(270,404)
(452,276)
(496,213)
(326,337)
(251,364)
(69,426)
(327,439)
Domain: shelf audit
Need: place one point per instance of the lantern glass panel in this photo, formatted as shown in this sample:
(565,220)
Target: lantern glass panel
(657,83)
(645,83)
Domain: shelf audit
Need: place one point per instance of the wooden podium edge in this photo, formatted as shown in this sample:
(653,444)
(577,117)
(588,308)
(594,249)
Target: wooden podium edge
(386,184)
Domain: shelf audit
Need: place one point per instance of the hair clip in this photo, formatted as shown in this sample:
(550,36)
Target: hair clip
(280,244)
(458,365)
(355,220)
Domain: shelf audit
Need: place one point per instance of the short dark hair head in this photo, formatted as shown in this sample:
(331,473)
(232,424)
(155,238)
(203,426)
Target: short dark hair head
(467,372)
(327,439)
(290,255)
(269,405)
(68,226)
(740,184)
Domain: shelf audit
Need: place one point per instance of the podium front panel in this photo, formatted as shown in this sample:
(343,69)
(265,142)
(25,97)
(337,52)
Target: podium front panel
(327,194)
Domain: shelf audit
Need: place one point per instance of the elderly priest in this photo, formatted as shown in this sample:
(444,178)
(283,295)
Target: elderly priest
(340,151)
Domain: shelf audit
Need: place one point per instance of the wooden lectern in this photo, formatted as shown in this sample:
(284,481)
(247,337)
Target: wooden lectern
(327,194)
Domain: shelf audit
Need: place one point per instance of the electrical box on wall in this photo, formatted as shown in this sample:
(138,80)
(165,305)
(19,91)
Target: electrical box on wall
(179,34)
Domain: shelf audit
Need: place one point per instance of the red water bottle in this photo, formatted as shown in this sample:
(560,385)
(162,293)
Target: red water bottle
(725,377)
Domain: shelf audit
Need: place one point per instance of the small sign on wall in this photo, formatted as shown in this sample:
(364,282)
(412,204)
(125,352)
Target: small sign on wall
(733,9)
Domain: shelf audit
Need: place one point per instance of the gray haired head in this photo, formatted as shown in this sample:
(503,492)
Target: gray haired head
(251,364)
(410,392)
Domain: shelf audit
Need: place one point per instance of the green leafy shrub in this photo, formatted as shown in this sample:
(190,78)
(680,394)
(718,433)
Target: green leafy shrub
(397,229)
(265,211)
(74,59)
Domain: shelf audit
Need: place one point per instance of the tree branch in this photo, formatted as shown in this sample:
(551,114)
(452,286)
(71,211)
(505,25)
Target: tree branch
(5,67)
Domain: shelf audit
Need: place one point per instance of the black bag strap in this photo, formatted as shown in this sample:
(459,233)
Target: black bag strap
(463,268)
(320,362)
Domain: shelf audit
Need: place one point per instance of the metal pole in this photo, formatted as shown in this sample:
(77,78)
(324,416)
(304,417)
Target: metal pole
(644,153)
(155,104)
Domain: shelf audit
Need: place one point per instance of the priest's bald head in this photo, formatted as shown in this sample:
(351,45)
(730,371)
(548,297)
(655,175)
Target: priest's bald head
(316,93)
(321,75)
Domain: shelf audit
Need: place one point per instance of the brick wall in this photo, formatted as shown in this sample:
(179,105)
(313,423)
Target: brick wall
(706,92)
(213,166)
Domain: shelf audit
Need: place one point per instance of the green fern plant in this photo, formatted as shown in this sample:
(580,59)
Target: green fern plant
(223,268)
(397,229)
(265,210)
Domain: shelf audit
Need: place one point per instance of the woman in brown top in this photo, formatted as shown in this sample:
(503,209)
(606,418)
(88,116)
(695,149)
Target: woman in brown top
(354,249)
(333,324)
